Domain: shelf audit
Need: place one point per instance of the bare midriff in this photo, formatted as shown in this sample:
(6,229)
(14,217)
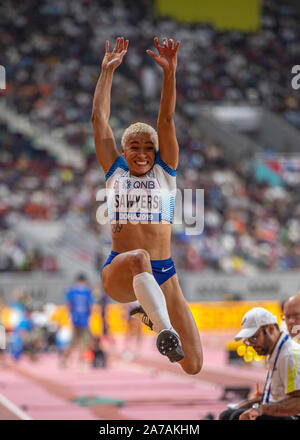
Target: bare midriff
(154,238)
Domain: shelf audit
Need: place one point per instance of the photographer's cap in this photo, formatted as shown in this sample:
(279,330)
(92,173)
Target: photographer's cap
(253,320)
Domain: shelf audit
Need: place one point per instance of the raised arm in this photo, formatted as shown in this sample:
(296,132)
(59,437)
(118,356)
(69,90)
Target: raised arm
(105,145)
(167,60)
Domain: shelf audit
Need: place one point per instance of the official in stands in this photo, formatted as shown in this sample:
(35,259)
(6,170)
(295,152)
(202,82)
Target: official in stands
(281,395)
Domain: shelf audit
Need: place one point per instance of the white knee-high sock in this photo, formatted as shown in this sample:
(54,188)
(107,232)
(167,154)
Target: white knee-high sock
(152,299)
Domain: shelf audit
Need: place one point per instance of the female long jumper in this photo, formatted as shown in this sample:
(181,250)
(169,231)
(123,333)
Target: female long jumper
(142,184)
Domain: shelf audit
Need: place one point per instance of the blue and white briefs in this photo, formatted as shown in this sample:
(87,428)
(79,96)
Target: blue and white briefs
(162,269)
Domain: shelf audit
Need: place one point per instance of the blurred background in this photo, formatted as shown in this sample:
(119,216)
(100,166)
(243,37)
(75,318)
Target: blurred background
(237,121)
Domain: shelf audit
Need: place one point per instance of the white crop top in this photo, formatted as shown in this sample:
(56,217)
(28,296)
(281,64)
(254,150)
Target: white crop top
(149,198)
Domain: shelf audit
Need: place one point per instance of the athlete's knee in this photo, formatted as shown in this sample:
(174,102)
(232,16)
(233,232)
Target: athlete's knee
(193,366)
(140,261)
(193,369)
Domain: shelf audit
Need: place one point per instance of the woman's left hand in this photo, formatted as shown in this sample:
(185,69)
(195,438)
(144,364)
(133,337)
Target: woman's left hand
(167,54)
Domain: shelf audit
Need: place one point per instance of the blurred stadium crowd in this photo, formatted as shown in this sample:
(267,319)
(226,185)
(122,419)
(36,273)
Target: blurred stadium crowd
(52,54)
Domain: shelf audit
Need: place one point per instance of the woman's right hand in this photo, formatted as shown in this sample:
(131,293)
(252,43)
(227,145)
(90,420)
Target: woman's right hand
(113,59)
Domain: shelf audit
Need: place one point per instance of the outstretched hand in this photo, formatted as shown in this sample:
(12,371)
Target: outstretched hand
(113,59)
(167,54)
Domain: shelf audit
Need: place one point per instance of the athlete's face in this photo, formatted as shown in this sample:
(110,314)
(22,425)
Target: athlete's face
(139,153)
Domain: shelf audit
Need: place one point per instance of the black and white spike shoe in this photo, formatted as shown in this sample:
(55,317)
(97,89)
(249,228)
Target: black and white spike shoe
(168,344)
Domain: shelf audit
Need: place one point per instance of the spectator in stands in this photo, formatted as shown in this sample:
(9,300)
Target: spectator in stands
(291,316)
(281,395)
(79,299)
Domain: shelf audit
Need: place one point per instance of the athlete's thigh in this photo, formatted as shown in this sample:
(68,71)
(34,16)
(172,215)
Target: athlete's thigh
(117,279)
(181,317)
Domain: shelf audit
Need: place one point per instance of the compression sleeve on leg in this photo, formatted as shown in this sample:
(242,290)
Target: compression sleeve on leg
(152,299)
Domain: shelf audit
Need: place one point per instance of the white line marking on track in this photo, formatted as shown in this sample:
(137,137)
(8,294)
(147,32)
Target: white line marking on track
(13,408)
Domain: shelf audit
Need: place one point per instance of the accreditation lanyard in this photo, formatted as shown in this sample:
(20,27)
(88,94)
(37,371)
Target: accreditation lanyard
(273,369)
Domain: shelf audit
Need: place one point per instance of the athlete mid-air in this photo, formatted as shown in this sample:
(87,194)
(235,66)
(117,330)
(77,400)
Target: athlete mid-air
(142,185)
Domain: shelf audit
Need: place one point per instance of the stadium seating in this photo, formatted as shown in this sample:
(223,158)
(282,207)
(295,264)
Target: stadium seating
(52,68)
